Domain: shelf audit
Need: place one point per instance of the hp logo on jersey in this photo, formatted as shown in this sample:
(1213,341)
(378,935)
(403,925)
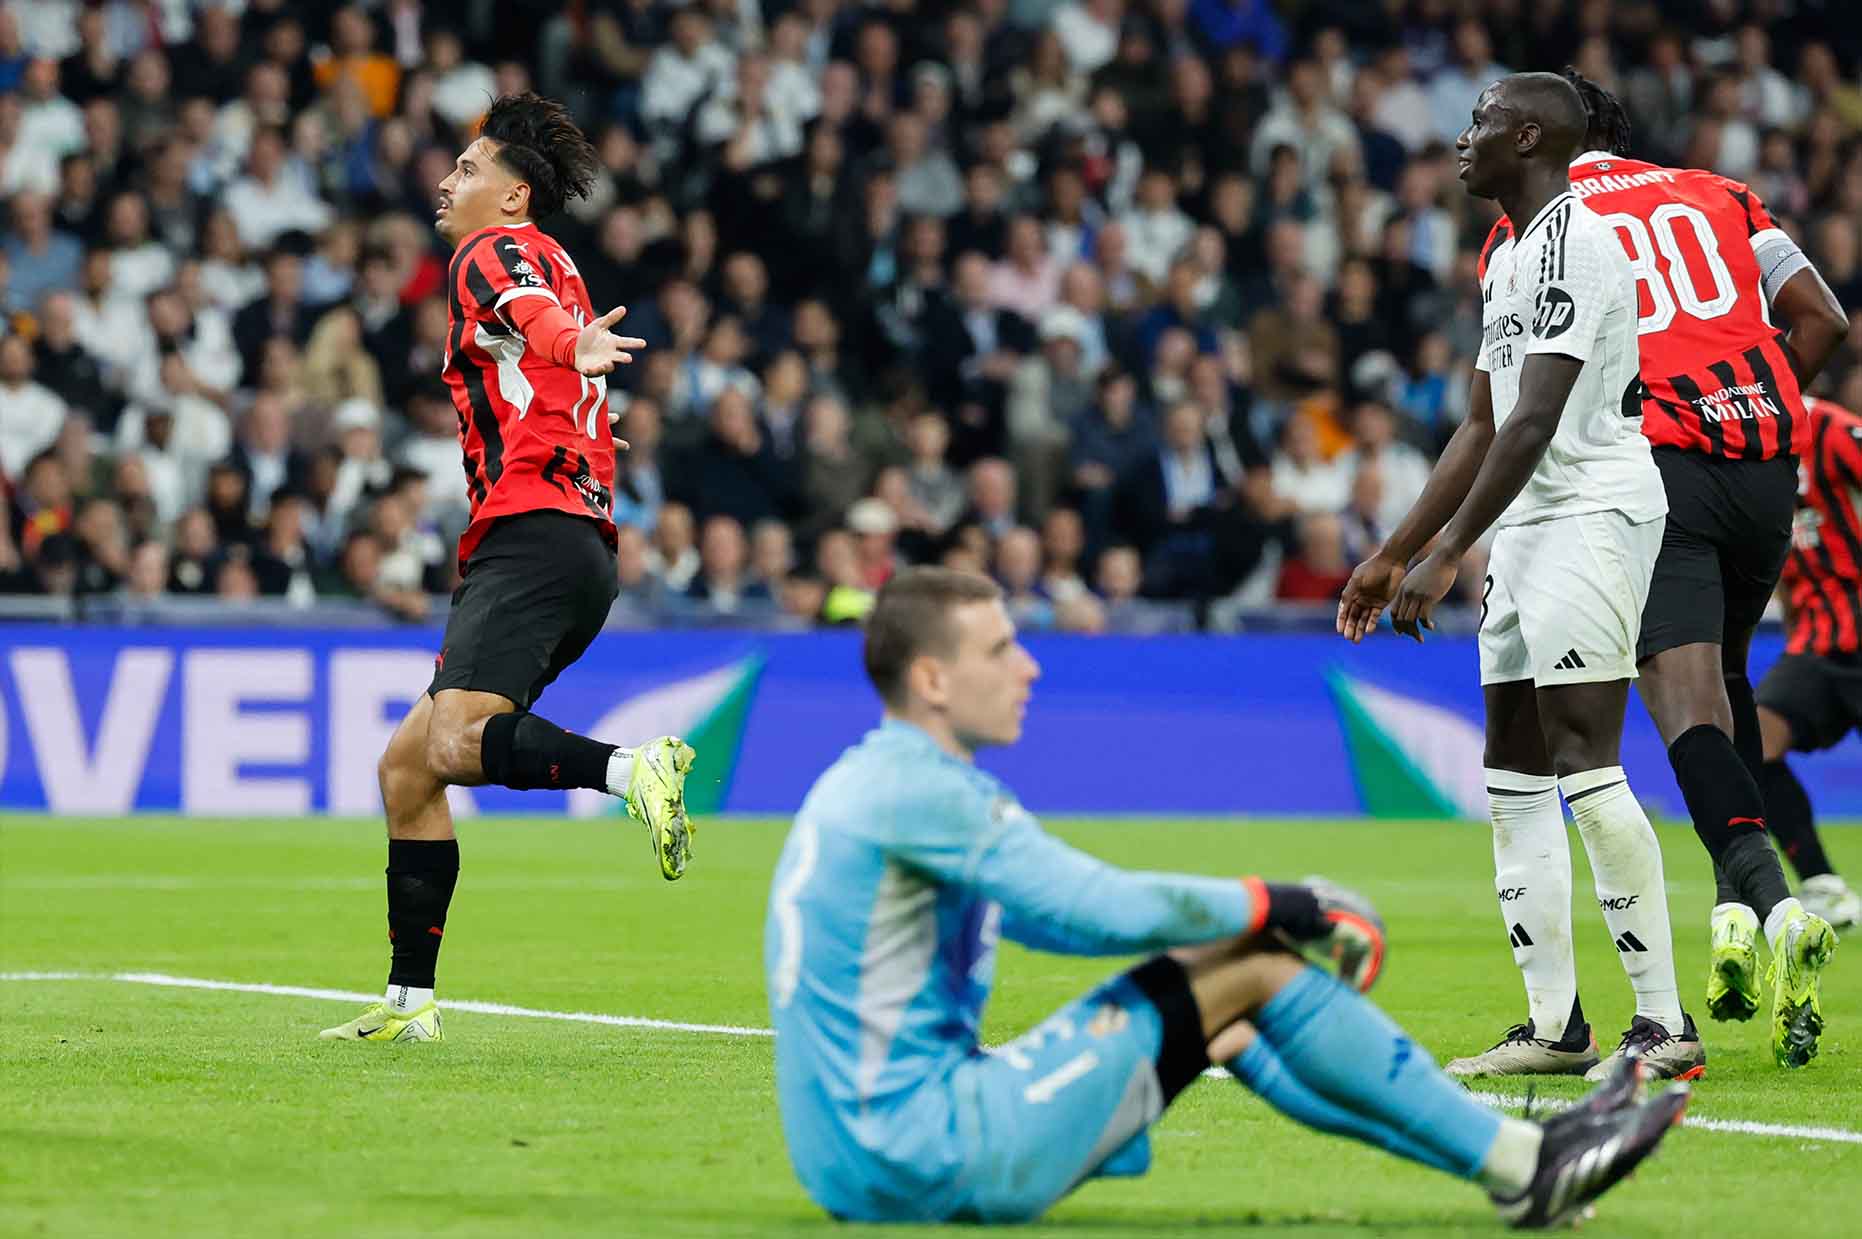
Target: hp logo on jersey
(1552,313)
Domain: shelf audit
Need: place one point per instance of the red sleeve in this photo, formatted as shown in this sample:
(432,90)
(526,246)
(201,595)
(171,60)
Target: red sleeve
(495,273)
(1758,218)
(548,329)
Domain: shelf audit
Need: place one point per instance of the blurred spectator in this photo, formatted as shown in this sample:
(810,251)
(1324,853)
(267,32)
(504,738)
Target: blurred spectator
(847,599)
(357,429)
(103,546)
(282,565)
(41,258)
(1119,577)
(42,507)
(1318,572)
(1471,69)
(1168,502)
(835,473)
(992,497)
(273,198)
(148,573)
(1018,571)
(734,472)
(875,528)
(772,555)
(1047,392)
(279,312)
(643,597)
(336,368)
(1155,230)
(30,412)
(1308,120)
(675,549)
(352,57)
(195,548)
(1403,470)
(65,367)
(933,484)
(724,586)
(1302,475)
(1063,543)
(413,560)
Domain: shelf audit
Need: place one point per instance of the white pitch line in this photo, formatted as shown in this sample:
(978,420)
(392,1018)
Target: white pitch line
(1742,1127)
(343,995)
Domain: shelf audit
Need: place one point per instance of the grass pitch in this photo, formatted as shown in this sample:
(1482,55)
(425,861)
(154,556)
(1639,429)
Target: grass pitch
(134,1109)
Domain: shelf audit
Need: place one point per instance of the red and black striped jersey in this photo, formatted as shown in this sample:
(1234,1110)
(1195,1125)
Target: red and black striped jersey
(1715,376)
(1823,575)
(535,433)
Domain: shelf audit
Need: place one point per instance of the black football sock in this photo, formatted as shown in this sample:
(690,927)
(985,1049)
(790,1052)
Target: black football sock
(1748,741)
(1750,744)
(525,752)
(1792,824)
(421,876)
(1729,815)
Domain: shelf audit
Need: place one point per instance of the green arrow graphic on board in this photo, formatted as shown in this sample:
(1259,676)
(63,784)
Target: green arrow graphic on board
(1409,758)
(708,710)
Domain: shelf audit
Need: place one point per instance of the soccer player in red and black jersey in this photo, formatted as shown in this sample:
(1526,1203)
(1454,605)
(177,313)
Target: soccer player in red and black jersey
(1812,697)
(525,361)
(1734,322)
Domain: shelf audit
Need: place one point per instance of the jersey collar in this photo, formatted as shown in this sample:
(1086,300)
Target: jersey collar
(1593,157)
(1544,211)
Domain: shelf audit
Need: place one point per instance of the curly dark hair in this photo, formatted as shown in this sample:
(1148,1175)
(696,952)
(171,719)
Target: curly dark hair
(538,140)
(1609,123)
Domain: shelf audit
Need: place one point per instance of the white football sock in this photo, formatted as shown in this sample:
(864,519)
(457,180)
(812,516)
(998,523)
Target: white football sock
(1512,1158)
(1532,876)
(620,771)
(1626,860)
(405,999)
(1774,922)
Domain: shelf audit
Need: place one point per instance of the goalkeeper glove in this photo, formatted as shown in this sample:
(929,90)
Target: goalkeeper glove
(1334,928)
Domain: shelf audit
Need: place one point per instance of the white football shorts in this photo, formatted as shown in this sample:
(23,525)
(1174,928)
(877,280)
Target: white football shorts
(1563,598)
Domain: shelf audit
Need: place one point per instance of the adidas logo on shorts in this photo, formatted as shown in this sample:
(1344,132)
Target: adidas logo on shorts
(1570,662)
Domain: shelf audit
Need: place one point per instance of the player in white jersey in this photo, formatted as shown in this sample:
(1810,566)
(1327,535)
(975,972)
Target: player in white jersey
(1553,455)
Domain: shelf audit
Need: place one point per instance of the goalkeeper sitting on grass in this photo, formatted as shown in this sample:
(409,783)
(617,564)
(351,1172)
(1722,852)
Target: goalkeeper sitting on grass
(905,865)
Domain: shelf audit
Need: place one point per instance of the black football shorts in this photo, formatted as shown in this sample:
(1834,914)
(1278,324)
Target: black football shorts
(1728,533)
(535,592)
(1819,696)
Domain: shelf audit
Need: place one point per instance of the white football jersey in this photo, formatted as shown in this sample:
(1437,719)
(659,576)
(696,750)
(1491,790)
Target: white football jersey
(1563,285)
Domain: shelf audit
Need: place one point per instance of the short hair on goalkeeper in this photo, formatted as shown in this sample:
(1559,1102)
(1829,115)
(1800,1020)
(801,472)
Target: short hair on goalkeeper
(539,142)
(1608,128)
(911,617)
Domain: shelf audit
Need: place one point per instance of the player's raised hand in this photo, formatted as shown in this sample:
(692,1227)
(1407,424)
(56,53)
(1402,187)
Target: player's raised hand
(1425,585)
(598,351)
(1371,589)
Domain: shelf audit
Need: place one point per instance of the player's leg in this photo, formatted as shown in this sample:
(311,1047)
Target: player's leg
(1531,852)
(1806,703)
(1250,1059)
(1344,1052)
(1581,611)
(538,593)
(1690,614)
(423,869)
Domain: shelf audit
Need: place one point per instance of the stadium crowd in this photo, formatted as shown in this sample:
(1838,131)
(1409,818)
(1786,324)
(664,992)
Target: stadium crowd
(1155,309)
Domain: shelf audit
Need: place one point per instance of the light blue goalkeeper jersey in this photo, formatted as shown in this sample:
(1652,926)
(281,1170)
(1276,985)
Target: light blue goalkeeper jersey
(903,868)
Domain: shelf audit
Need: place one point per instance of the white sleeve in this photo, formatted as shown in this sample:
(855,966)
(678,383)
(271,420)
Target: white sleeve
(1571,287)
(1779,259)
(1481,360)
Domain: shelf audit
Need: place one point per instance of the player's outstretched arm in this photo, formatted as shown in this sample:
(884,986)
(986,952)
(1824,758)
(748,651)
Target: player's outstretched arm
(1545,382)
(1373,586)
(1814,320)
(1057,898)
(589,349)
